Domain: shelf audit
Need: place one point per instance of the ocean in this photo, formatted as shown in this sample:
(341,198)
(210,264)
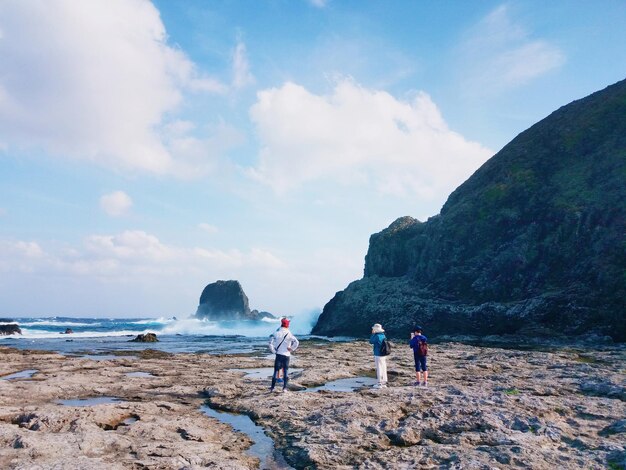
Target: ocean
(98,336)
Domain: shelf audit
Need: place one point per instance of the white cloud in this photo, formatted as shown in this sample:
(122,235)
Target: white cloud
(93,81)
(208,228)
(241,68)
(116,203)
(499,53)
(361,137)
(121,256)
(319,3)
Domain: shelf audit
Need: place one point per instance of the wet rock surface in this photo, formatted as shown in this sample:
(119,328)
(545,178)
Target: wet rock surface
(10,329)
(484,408)
(145,338)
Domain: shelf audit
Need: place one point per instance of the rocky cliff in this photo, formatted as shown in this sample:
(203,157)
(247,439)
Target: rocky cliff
(534,242)
(226,300)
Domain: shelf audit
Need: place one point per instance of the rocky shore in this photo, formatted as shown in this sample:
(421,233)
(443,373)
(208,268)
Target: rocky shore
(486,407)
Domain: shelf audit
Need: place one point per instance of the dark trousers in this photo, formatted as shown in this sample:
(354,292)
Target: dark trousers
(281,362)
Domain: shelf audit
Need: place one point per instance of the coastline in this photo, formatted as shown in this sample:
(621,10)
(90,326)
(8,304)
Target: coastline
(486,407)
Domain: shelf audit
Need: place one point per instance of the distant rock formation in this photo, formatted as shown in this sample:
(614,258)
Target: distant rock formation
(226,300)
(9,327)
(145,338)
(533,243)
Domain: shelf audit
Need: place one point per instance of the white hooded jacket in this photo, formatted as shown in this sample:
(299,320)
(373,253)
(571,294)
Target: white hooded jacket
(284,341)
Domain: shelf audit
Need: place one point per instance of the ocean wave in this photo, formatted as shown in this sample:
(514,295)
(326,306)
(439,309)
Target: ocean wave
(194,326)
(150,321)
(59,324)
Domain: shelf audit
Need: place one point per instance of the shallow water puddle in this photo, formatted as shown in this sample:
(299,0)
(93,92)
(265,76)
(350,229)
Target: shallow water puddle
(261,372)
(25,374)
(345,385)
(263,447)
(89,401)
(140,374)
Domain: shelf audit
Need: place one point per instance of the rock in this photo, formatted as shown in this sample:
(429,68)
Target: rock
(10,329)
(604,389)
(532,243)
(68,331)
(618,427)
(226,300)
(145,338)
(463,420)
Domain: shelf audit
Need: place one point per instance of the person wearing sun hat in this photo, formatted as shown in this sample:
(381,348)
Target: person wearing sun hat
(282,343)
(376,340)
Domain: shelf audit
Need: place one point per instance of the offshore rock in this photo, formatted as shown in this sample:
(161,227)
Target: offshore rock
(9,328)
(226,300)
(145,338)
(533,243)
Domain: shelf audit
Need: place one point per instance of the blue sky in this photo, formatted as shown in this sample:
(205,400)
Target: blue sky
(147,149)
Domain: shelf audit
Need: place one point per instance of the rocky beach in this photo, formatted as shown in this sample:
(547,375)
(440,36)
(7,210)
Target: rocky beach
(486,407)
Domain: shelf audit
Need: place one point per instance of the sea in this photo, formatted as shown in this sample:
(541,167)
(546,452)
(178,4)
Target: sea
(101,336)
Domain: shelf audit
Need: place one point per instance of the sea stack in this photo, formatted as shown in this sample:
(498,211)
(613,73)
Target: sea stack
(533,243)
(226,301)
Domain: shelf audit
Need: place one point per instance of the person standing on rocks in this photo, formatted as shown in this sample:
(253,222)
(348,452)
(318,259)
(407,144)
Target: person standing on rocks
(377,338)
(419,344)
(282,343)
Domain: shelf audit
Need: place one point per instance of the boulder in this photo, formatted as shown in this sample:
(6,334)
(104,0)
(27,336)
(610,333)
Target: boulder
(145,338)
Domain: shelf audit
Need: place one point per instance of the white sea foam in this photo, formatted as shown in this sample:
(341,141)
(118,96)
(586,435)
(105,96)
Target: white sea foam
(148,321)
(38,334)
(32,328)
(194,326)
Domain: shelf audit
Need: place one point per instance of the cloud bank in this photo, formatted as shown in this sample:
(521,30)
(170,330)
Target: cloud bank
(97,80)
(357,136)
(120,257)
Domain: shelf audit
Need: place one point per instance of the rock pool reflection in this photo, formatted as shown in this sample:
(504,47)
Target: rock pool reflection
(89,401)
(263,447)
(345,385)
(25,374)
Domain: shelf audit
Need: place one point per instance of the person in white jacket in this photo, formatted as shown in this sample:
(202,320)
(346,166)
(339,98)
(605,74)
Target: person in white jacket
(282,343)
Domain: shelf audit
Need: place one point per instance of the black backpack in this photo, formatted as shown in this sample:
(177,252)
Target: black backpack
(385,347)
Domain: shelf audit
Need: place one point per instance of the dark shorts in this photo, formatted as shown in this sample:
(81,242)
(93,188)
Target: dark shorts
(281,362)
(420,363)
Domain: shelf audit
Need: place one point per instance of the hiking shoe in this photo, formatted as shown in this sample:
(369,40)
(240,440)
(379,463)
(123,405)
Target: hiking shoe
(416,383)
(285,390)
(424,384)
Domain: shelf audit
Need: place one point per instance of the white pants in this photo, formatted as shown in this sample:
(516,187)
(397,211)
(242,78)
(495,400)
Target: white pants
(381,369)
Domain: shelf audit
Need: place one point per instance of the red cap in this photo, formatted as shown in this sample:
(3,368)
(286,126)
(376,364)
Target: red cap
(284,322)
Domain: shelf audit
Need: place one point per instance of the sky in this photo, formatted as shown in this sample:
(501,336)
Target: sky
(150,148)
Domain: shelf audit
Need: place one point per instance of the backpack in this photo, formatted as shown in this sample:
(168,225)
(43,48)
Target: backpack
(385,348)
(422,347)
